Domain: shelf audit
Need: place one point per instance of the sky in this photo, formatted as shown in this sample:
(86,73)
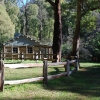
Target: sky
(22,2)
(26,1)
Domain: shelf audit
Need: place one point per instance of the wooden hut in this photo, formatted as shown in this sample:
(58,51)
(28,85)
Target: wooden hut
(27,48)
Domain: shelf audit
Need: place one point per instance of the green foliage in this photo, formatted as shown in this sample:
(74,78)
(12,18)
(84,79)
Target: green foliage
(13,11)
(66,49)
(88,23)
(32,13)
(96,44)
(7,28)
(40,16)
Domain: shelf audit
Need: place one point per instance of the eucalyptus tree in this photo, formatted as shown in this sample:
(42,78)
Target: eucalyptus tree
(13,11)
(32,13)
(57,35)
(7,28)
(23,4)
(83,6)
(42,16)
(76,37)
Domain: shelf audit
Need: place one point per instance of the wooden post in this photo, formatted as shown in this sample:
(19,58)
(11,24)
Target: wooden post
(48,52)
(22,56)
(0,56)
(11,53)
(3,52)
(45,51)
(68,68)
(65,66)
(45,72)
(36,57)
(1,75)
(26,51)
(32,52)
(77,64)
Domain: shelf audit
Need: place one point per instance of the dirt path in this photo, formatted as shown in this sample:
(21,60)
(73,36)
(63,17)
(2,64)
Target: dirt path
(32,65)
(22,65)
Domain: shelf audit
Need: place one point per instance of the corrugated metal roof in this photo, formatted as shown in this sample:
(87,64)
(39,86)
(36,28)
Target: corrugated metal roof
(22,40)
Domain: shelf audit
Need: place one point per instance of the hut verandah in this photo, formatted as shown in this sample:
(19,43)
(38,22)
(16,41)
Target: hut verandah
(26,46)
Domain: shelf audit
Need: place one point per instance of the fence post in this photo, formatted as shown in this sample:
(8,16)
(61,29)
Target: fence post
(36,57)
(77,64)
(68,68)
(22,56)
(0,56)
(45,72)
(1,75)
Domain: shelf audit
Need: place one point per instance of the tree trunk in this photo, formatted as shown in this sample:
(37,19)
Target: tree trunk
(26,22)
(76,37)
(57,38)
(40,32)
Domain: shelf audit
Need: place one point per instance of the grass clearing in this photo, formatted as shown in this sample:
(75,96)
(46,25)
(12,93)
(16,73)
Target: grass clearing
(20,61)
(17,74)
(81,85)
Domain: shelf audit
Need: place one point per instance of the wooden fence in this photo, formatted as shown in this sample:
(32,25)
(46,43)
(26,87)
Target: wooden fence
(67,72)
(45,76)
(25,56)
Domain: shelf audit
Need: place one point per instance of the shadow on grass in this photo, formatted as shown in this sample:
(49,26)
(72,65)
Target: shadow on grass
(55,70)
(85,82)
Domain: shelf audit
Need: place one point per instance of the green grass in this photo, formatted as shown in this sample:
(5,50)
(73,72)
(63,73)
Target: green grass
(81,85)
(17,74)
(19,61)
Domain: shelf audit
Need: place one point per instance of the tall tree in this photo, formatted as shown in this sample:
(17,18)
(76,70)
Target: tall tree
(24,4)
(57,38)
(7,28)
(13,11)
(32,13)
(75,48)
(83,6)
(42,16)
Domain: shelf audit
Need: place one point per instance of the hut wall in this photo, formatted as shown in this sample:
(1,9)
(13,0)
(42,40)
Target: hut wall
(41,51)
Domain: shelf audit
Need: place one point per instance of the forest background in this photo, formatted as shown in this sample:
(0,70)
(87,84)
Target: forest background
(36,19)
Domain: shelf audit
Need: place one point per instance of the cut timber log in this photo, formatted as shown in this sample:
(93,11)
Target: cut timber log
(56,64)
(56,76)
(23,81)
(33,79)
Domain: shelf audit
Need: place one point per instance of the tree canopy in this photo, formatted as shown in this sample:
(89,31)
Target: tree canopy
(7,28)
(59,23)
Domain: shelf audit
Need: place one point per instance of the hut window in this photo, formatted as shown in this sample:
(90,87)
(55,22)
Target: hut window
(15,50)
(30,50)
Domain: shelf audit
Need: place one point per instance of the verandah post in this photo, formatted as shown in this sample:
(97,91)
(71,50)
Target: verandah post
(1,75)
(45,71)
(68,67)
(22,56)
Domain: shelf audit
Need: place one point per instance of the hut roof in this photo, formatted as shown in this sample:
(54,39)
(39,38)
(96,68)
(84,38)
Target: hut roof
(22,40)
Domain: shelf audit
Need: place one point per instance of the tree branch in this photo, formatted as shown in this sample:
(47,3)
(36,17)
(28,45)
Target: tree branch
(91,9)
(51,2)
